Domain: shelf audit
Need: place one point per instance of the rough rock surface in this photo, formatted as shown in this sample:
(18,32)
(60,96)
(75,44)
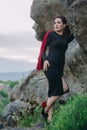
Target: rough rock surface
(43,13)
(34,87)
(12,111)
(25,97)
(38,126)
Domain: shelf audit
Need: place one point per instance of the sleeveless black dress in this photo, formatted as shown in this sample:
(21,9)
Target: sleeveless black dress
(57,45)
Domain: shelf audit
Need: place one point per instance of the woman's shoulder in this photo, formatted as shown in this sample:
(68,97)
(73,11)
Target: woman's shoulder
(50,32)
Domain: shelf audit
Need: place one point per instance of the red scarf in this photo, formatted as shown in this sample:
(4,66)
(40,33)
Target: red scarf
(43,45)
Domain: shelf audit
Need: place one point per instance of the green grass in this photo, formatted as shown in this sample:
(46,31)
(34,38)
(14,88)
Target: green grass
(29,119)
(72,116)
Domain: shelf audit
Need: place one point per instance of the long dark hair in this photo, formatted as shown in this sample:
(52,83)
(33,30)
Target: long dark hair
(66,31)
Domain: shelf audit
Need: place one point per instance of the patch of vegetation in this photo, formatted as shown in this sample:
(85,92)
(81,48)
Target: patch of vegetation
(72,116)
(30,119)
(10,83)
(4,100)
(3,104)
(4,94)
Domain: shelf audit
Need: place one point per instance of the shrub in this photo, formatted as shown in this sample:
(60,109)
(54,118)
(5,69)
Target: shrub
(72,116)
(3,93)
(12,83)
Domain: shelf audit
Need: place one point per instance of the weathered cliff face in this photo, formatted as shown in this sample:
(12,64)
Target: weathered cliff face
(43,13)
(77,15)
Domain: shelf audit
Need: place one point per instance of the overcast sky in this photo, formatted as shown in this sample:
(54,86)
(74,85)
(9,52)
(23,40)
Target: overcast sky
(18,47)
(15,15)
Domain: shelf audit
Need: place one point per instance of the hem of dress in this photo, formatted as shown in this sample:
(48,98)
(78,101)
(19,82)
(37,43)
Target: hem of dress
(55,95)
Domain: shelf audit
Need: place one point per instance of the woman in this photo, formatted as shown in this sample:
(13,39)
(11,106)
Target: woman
(52,60)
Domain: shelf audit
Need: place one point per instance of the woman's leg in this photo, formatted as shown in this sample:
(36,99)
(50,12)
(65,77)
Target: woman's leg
(50,102)
(52,99)
(50,112)
(65,85)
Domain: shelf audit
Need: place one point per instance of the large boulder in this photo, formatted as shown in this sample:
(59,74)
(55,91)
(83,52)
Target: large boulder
(12,113)
(35,87)
(43,12)
(77,15)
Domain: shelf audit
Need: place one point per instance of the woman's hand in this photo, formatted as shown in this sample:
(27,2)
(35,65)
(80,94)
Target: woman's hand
(46,65)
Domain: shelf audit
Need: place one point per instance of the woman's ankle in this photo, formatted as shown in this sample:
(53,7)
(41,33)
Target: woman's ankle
(46,110)
(49,118)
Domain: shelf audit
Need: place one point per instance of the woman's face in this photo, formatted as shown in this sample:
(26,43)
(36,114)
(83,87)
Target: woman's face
(58,25)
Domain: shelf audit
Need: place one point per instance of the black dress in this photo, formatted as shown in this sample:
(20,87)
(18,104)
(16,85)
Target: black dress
(57,45)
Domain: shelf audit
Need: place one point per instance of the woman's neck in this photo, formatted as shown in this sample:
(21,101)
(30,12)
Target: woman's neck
(60,33)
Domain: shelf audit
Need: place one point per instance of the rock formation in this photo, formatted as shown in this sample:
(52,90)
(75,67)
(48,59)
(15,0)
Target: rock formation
(43,12)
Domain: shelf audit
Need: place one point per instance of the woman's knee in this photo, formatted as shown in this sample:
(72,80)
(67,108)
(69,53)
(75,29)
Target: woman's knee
(52,100)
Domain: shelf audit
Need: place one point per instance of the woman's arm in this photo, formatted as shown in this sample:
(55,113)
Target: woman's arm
(46,50)
(45,55)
